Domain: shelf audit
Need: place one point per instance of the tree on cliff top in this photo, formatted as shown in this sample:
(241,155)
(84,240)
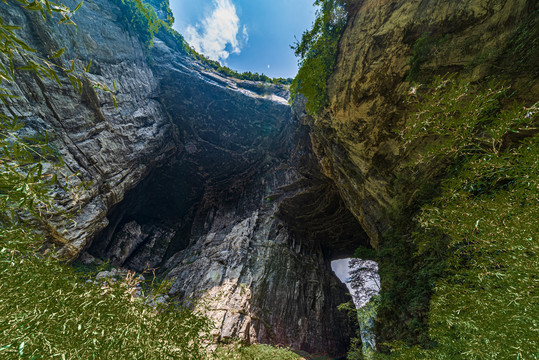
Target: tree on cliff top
(317,52)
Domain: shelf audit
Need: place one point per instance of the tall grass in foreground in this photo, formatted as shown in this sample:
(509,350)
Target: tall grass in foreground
(47,311)
(483,224)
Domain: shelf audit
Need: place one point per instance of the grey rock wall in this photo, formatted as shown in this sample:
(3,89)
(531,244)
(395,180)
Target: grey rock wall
(210,179)
(110,148)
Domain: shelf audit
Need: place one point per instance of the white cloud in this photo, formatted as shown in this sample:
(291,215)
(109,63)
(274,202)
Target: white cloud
(218,34)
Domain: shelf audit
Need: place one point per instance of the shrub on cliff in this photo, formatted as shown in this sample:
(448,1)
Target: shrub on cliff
(317,52)
(142,18)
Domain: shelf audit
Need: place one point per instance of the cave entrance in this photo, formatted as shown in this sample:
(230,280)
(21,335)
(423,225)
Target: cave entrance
(360,277)
(153,221)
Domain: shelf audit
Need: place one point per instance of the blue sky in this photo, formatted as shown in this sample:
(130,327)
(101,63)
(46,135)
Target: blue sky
(245,35)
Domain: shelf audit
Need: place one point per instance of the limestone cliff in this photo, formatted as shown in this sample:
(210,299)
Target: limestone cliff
(388,49)
(210,179)
(385,47)
(110,148)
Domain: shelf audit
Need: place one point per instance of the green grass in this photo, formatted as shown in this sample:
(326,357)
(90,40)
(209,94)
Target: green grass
(255,352)
(481,226)
(47,311)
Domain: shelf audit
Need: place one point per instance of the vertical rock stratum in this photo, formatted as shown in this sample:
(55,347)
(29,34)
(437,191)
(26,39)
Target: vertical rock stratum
(208,178)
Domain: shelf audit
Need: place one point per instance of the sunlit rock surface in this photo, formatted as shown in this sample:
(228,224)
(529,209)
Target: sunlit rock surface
(110,148)
(356,138)
(210,179)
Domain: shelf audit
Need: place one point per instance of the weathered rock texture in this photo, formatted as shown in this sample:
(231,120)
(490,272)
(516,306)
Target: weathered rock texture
(356,138)
(211,179)
(111,149)
(246,220)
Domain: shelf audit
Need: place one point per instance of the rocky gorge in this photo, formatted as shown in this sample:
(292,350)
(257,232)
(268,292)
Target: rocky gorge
(237,197)
(209,179)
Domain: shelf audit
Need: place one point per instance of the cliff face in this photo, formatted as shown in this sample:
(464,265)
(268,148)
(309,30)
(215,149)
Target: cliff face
(113,148)
(240,215)
(386,46)
(389,49)
(211,179)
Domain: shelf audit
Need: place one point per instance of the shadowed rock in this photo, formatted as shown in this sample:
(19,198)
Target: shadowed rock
(211,179)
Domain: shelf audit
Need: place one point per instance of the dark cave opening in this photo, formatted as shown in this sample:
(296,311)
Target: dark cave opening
(278,220)
(158,212)
(242,209)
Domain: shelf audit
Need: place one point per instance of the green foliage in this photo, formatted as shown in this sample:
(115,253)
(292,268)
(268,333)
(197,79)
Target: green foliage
(163,6)
(254,352)
(248,75)
(29,164)
(482,225)
(48,311)
(13,47)
(318,53)
(366,316)
(407,281)
(355,351)
(141,17)
(25,180)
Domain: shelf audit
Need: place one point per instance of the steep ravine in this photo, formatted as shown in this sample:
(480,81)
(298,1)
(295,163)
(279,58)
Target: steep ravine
(196,174)
(240,216)
(388,51)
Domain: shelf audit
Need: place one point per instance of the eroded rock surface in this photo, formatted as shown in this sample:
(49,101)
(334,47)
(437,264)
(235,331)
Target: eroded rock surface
(356,139)
(210,179)
(252,222)
(110,148)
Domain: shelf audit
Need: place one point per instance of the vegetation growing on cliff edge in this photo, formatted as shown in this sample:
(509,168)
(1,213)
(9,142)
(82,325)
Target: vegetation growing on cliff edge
(317,52)
(472,248)
(177,41)
(141,16)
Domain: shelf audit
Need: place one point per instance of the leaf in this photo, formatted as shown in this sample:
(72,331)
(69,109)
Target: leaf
(4,95)
(77,84)
(58,53)
(55,77)
(21,349)
(88,67)
(10,27)
(72,67)
(26,67)
(33,6)
(78,6)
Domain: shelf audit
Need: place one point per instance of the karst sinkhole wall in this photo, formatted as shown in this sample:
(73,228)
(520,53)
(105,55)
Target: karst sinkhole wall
(209,178)
(260,242)
(240,215)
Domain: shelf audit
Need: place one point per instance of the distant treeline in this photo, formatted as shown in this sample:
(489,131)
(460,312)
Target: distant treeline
(141,16)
